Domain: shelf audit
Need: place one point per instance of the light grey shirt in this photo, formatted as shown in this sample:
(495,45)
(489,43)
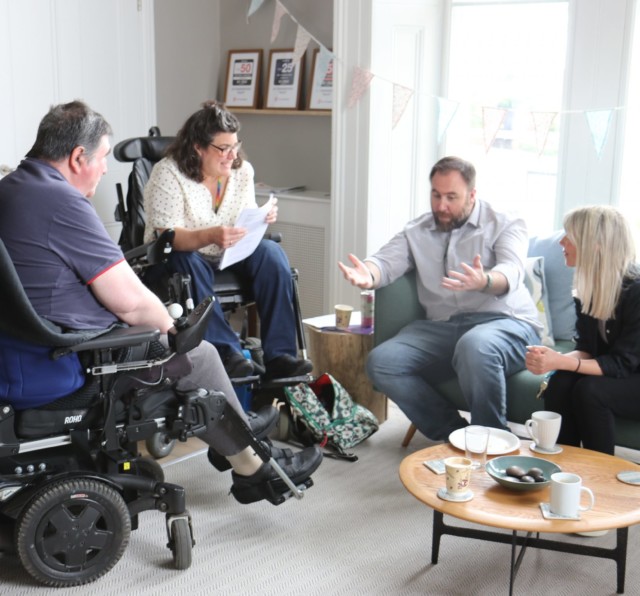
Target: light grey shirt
(500,240)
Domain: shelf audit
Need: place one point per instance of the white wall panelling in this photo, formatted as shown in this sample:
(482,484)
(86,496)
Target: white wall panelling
(60,50)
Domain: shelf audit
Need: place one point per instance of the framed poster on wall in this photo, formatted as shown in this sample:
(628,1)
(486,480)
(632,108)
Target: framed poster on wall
(321,87)
(284,82)
(243,78)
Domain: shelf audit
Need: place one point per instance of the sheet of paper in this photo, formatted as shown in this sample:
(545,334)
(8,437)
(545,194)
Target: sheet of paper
(254,221)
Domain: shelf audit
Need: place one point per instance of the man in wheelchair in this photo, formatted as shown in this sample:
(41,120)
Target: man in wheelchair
(76,277)
(198,190)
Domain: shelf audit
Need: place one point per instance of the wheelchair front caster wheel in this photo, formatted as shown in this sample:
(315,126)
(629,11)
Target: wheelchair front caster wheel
(160,445)
(72,532)
(180,540)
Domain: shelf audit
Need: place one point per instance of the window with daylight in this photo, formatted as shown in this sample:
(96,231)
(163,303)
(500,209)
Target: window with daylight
(504,93)
(629,179)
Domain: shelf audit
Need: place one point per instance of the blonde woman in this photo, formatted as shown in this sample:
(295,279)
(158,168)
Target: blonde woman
(600,379)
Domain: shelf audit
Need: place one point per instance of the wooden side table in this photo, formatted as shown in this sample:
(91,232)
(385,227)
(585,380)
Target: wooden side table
(343,355)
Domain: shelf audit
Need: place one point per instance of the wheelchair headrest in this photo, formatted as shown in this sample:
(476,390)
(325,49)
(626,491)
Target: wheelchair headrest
(151,148)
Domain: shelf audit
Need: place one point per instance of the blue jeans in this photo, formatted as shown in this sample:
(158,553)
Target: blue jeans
(481,349)
(269,275)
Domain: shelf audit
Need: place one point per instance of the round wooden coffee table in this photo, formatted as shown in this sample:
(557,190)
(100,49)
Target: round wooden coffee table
(617,504)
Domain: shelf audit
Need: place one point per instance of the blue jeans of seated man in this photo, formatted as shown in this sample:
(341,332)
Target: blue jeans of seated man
(481,349)
(270,280)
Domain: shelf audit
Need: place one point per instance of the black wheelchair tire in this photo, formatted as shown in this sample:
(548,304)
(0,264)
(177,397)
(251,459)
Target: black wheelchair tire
(72,532)
(159,445)
(181,543)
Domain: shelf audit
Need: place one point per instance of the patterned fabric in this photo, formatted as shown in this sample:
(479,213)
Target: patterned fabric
(534,280)
(348,424)
(171,200)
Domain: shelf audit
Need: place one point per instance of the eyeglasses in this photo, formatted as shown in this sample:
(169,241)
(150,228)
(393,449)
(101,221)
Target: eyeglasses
(227,150)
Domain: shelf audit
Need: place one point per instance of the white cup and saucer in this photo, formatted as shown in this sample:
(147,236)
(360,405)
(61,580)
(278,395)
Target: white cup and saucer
(458,477)
(544,427)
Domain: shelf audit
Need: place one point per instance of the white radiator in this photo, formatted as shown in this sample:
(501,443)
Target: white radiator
(303,221)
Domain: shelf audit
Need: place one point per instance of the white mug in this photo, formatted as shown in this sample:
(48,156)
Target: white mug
(544,427)
(566,490)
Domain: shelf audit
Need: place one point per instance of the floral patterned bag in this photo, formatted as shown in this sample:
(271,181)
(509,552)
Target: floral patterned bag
(329,415)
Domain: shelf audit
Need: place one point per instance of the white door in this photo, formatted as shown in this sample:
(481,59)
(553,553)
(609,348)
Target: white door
(59,50)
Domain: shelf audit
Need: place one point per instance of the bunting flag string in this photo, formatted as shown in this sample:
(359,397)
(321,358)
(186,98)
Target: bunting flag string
(493,118)
(253,7)
(359,84)
(401,97)
(542,123)
(302,42)
(279,12)
(599,121)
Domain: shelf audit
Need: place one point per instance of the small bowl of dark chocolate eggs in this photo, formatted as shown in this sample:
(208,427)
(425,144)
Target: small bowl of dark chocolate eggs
(521,472)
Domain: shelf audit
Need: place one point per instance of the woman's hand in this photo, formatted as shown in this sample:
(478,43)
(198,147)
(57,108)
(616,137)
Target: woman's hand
(272,216)
(227,236)
(540,360)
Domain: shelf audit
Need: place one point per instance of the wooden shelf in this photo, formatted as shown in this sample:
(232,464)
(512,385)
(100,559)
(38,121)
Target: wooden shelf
(274,112)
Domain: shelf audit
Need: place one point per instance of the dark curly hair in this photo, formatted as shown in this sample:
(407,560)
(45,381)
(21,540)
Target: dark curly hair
(198,131)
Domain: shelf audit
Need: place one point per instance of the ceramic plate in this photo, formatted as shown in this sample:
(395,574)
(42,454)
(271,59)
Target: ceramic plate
(496,468)
(500,441)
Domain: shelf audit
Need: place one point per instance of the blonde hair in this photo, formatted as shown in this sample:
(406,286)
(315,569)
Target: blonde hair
(605,256)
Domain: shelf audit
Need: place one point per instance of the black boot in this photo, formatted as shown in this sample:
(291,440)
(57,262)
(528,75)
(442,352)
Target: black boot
(286,366)
(266,484)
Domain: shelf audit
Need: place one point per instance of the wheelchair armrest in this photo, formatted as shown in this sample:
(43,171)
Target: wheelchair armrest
(120,337)
(155,251)
(189,331)
(274,236)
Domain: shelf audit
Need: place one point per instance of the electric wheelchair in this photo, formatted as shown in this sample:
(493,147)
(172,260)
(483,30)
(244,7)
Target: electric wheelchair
(230,289)
(72,482)
(147,260)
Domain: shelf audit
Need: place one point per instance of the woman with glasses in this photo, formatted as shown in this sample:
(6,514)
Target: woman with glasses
(600,379)
(199,189)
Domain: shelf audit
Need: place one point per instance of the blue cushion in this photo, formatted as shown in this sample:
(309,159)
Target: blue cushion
(559,279)
(30,378)
(534,280)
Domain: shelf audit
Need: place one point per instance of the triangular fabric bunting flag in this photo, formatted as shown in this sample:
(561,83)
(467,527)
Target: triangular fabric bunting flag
(492,119)
(542,123)
(447,109)
(599,121)
(280,11)
(359,84)
(255,5)
(401,97)
(302,41)
(323,61)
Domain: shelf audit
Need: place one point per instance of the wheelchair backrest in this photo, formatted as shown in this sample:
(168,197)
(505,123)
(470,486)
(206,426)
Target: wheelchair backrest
(18,317)
(144,153)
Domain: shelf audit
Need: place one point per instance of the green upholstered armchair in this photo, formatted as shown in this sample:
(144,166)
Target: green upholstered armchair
(397,305)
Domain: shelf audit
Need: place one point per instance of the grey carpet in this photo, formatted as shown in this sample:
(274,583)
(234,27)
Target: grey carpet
(356,532)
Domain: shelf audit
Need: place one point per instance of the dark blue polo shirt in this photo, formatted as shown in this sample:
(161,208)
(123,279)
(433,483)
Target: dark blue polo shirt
(57,243)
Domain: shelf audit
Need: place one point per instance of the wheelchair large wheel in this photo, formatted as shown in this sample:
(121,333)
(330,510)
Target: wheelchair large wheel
(160,445)
(180,542)
(73,532)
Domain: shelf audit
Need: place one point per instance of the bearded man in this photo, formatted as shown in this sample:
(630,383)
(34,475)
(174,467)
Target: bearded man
(479,317)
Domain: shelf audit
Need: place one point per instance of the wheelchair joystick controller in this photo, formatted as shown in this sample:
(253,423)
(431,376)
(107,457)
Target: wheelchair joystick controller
(177,313)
